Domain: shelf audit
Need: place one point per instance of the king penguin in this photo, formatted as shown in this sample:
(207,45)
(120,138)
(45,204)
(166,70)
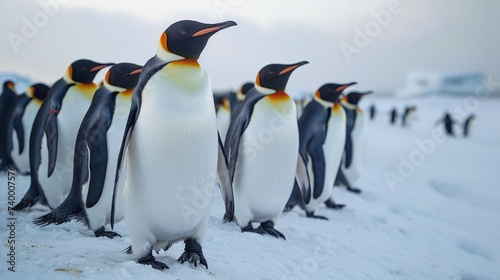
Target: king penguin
(322,128)
(354,150)
(53,137)
(173,149)
(7,99)
(20,124)
(96,155)
(263,151)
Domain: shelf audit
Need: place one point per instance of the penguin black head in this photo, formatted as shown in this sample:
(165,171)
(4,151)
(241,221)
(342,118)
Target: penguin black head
(84,71)
(123,75)
(332,92)
(38,91)
(275,76)
(355,96)
(242,92)
(8,84)
(188,38)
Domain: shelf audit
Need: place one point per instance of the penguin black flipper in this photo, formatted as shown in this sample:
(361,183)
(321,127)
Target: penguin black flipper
(51,133)
(350,121)
(97,143)
(302,178)
(318,162)
(17,124)
(152,66)
(225,182)
(238,126)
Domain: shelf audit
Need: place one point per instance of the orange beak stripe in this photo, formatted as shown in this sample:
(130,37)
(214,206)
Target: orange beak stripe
(341,88)
(135,72)
(206,31)
(97,68)
(288,69)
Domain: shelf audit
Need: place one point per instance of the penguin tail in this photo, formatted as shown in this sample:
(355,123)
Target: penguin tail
(64,213)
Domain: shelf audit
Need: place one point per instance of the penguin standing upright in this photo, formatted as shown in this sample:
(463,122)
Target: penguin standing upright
(262,145)
(407,116)
(393,116)
(352,160)
(52,139)
(322,128)
(172,148)
(7,99)
(373,111)
(467,123)
(20,124)
(96,155)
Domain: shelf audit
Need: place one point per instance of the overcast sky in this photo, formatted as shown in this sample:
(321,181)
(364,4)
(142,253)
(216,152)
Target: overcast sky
(447,35)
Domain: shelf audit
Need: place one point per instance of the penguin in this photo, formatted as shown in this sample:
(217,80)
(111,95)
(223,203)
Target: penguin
(466,125)
(20,124)
(223,113)
(373,111)
(7,99)
(393,116)
(53,137)
(352,161)
(448,123)
(322,128)
(262,146)
(236,98)
(173,150)
(407,115)
(96,155)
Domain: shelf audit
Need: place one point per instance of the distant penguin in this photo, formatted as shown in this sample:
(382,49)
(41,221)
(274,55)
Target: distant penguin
(373,111)
(7,99)
(322,129)
(408,116)
(53,137)
(352,161)
(467,123)
(96,155)
(448,123)
(239,96)
(173,150)
(262,145)
(20,124)
(223,112)
(393,116)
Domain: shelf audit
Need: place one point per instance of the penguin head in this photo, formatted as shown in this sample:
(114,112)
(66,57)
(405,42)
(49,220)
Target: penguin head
(274,77)
(38,91)
(331,92)
(187,39)
(9,84)
(355,96)
(242,92)
(84,71)
(122,76)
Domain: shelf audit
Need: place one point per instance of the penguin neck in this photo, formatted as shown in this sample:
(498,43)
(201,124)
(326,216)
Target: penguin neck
(240,96)
(348,105)
(86,90)
(166,55)
(264,90)
(186,74)
(324,103)
(113,88)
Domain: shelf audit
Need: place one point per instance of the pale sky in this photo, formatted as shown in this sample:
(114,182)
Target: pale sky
(39,39)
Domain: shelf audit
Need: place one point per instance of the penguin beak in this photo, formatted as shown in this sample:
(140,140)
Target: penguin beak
(368,92)
(341,88)
(135,72)
(100,66)
(214,28)
(292,67)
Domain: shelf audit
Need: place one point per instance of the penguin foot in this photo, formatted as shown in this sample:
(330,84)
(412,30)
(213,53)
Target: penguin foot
(311,215)
(332,205)
(24,204)
(249,228)
(268,227)
(193,254)
(109,234)
(150,260)
(354,190)
(288,208)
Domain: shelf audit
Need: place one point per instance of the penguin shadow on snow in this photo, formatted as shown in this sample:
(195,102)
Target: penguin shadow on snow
(474,250)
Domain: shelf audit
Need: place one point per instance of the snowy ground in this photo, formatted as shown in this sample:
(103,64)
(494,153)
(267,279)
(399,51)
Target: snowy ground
(438,222)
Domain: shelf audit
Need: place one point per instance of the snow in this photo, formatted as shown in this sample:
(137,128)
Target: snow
(438,222)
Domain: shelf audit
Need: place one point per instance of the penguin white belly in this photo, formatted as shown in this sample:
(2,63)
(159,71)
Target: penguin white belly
(172,164)
(100,214)
(57,186)
(21,160)
(333,148)
(267,161)
(358,137)
(223,121)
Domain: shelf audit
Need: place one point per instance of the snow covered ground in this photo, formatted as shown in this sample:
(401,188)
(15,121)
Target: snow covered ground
(439,220)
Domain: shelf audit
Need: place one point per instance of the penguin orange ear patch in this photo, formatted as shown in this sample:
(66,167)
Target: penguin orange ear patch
(163,41)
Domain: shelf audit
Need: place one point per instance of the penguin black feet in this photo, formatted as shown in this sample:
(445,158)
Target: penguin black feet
(193,253)
(332,205)
(109,234)
(354,190)
(288,208)
(249,228)
(150,260)
(24,204)
(268,228)
(311,215)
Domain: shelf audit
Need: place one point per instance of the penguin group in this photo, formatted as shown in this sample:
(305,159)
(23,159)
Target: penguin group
(142,143)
